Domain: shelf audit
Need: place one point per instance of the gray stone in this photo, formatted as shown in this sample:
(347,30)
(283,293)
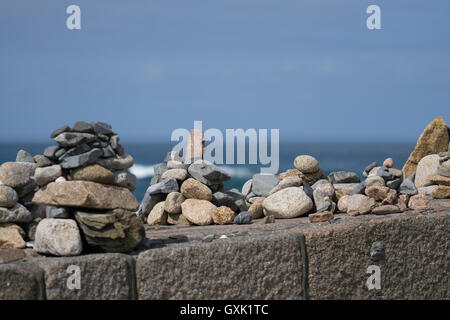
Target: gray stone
(247,188)
(108,152)
(24,156)
(102,128)
(60,152)
(71,139)
(385,174)
(57,212)
(208,174)
(28,188)
(173,156)
(290,181)
(50,151)
(8,197)
(263,184)
(408,186)
(81,160)
(319,183)
(83,127)
(125,179)
(370,167)
(394,184)
(155,179)
(232,199)
(47,174)
(245,217)
(37,210)
(308,190)
(16,214)
(121,162)
(114,141)
(165,186)
(77,150)
(58,131)
(148,203)
(59,237)
(343,177)
(359,188)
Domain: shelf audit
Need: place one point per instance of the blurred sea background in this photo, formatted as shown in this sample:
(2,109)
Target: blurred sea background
(331,156)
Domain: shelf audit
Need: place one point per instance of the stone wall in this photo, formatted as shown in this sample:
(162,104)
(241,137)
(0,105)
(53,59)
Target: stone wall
(289,259)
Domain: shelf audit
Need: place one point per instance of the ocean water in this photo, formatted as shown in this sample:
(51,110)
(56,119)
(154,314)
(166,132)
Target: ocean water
(331,156)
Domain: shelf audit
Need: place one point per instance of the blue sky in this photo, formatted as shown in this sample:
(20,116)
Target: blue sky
(309,68)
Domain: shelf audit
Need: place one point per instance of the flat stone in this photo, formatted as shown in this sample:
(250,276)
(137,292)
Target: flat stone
(81,126)
(172,164)
(198,212)
(230,198)
(125,179)
(374,181)
(8,197)
(291,181)
(173,202)
(441,192)
(263,184)
(11,236)
(223,215)
(179,174)
(16,174)
(287,203)
(157,215)
(60,130)
(427,166)
(160,168)
(306,164)
(247,188)
(71,139)
(117,230)
(244,217)
(323,191)
(102,128)
(356,204)
(42,161)
(85,194)
(386,209)
(47,174)
(208,174)
(394,184)
(438,179)
(24,156)
(379,193)
(117,163)
(77,150)
(193,189)
(308,190)
(434,139)
(343,177)
(16,214)
(50,151)
(94,173)
(290,172)
(321,216)
(59,237)
(385,173)
(342,189)
(427,190)
(81,160)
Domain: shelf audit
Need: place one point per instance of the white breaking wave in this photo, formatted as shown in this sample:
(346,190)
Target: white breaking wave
(145,171)
(142,171)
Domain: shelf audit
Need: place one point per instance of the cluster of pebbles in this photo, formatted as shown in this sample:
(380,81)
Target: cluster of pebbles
(191,193)
(76,195)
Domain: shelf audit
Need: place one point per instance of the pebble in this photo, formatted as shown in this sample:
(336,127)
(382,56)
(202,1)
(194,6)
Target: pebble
(256,209)
(388,163)
(269,219)
(223,215)
(24,156)
(287,203)
(306,164)
(441,192)
(208,174)
(370,167)
(244,217)
(321,216)
(379,193)
(308,190)
(50,151)
(407,186)
(157,215)
(198,212)
(102,128)
(247,188)
(356,204)
(59,237)
(42,161)
(71,139)
(179,174)
(394,184)
(359,188)
(81,126)
(173,202)
(121,162)
(427,190)
(208,238)
(343,177)
(58,131)
(386,209)
(263,184)
(11,236)
(8,197)
(16,174)
(81,160)
(17,214)
(419,203)
(125,179)
(231,198)
(165,186)
(292,181)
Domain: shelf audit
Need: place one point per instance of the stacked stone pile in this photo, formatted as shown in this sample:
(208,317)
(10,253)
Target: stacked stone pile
(77,192)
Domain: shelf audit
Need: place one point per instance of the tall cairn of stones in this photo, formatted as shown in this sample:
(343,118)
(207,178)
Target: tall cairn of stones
(79,193)
(191,191)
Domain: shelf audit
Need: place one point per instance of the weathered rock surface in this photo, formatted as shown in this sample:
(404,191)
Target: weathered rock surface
(81,160)
(441,192)
(47,174)
(71,139)
(157,215)
(223,215)
(321,216)
(306,164)
(125,179)
(16,174)
(173,202)
(343,177)
(342,189)
(11,236)
(177,219)
(287,203)
(8,196)
(208,174)
(263,184)
(59,237)
(178,174)
(85,194)
(291,181)
(94,173)
(244,217)
(193,189)
(434,139)
(17,214)
(198,212)
(24,156)
(438,179)
(407,186)
(356,204)
(114,231)
(386,209)
(231,198)
(257,209)
(117,163)
(419,202)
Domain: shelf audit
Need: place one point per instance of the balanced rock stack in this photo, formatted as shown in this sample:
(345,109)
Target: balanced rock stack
(191,192)
(81,183)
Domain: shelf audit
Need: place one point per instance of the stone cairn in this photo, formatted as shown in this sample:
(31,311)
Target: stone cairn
(191,192)
(77,194)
